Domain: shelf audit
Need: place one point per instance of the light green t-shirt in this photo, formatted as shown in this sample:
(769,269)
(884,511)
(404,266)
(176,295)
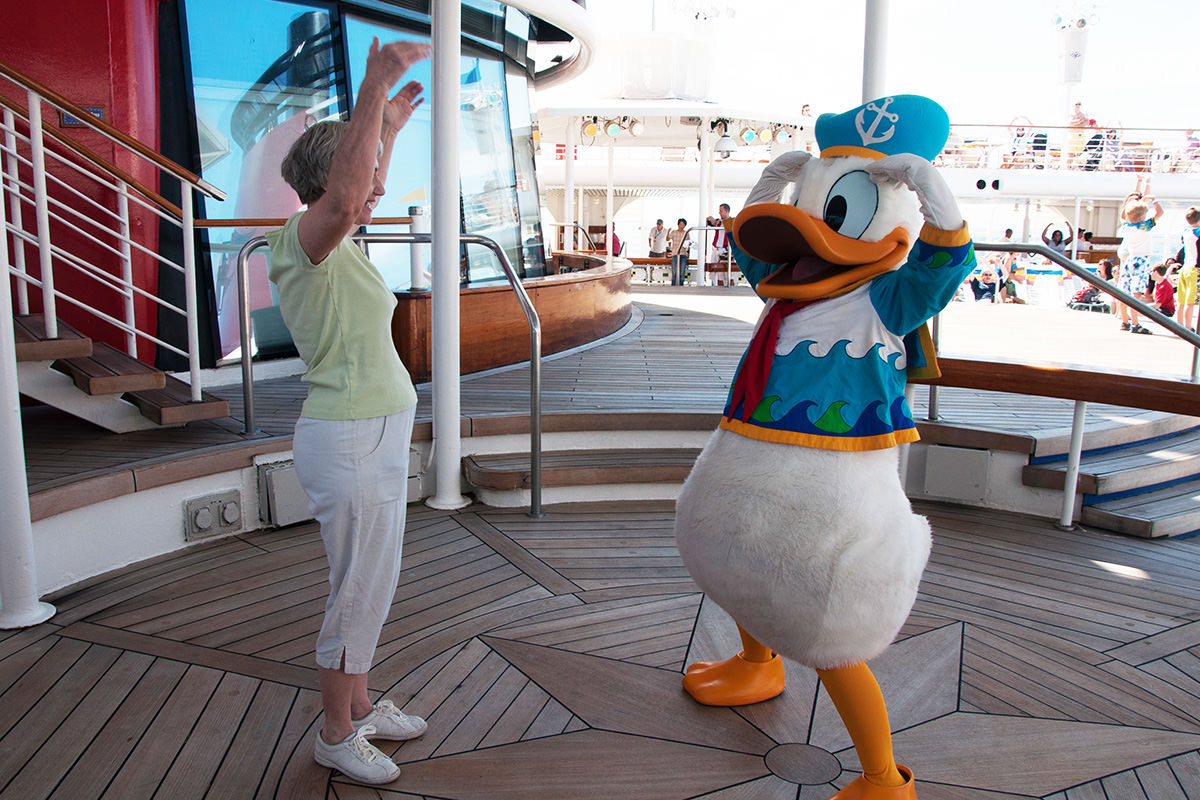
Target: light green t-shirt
(339,313)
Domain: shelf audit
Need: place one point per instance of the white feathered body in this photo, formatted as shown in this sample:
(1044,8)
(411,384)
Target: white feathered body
(816,553)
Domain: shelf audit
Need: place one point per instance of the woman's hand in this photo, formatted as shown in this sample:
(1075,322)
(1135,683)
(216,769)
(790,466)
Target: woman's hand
(398,110)
(387,64)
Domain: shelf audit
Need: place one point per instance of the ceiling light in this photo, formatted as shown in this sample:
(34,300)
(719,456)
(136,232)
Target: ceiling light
(782,135)
(747,135)
(636,128)
(590,128)
(725,145)
(764,134)
(612,128)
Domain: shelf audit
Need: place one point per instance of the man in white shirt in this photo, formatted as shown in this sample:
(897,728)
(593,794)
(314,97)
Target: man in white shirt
(658,241)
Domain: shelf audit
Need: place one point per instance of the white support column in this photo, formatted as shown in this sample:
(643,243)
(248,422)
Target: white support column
(569,186)
(705,200)
(19,606)
(875,49)
(1075,232)
(608,204)
(41,203)
(447,222)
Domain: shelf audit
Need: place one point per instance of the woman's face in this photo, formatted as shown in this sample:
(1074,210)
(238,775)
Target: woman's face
(377,191)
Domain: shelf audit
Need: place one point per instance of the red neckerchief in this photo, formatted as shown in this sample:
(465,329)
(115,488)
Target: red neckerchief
(751,381)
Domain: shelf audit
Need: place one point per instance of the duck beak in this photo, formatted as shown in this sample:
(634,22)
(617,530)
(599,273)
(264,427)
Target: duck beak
(817,261)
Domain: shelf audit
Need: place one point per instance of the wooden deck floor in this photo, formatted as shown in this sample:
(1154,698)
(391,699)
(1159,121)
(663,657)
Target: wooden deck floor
(546,655)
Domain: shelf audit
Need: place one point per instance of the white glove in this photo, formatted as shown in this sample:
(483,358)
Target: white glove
(938,205)
(779,173)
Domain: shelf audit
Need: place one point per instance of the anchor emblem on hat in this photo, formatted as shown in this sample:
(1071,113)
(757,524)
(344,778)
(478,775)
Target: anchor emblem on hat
(881,112)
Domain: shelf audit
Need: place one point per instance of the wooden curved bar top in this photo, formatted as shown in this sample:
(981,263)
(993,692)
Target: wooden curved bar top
(1071,383)
(574,307)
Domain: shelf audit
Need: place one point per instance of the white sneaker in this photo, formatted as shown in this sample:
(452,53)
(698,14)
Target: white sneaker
(389,722)
(356,758)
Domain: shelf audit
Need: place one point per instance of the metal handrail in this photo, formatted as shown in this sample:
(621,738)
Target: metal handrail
(586,235)
(531,316)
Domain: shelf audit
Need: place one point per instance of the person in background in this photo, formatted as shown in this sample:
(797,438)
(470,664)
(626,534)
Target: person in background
(680,243)
(720,244)
(658,240)
(984,287)
(352,439)
(615,245)
(1186,290)
(1139,213)
(1164,290)
(1055,240)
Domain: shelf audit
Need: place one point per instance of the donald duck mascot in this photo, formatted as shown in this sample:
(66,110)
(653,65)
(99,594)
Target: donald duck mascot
(794,519)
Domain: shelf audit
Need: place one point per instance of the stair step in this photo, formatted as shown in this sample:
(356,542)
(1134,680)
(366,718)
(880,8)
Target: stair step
(509,471)
(1171,511)
(110,371)
(172,404)
(1126,468)
(32,345)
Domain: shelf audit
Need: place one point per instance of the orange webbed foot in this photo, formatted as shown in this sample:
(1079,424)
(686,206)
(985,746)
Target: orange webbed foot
(735,681)
(862,789)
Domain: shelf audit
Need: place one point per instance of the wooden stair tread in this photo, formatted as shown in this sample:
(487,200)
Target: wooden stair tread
(32,345)
(172,404)
(505,471)
(110,371)
(1170,511)
(1125,468)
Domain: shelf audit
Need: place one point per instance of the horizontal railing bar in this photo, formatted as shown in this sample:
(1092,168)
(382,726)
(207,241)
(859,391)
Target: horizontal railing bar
(279,223)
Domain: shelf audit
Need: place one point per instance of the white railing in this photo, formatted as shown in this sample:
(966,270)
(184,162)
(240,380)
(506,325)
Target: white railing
(78,236)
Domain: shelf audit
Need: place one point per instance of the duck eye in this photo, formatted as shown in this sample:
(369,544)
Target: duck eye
(851,204)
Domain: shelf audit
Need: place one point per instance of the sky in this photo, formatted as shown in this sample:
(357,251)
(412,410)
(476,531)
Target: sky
(986,62)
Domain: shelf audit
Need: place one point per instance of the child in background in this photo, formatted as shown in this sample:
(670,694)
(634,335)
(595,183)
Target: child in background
(1185,293)
(1164,291)
(1139,214)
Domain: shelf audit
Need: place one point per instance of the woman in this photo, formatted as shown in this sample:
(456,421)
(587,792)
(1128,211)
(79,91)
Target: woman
(352,438)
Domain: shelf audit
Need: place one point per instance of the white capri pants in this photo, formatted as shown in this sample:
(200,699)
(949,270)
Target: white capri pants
(355,473)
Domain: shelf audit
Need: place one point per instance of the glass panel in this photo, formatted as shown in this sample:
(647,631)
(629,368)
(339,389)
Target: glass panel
(489,184)
(256,85)
(411,170)
(533,251)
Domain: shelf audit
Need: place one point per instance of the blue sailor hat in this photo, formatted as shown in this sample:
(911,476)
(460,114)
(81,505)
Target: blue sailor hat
(901,123)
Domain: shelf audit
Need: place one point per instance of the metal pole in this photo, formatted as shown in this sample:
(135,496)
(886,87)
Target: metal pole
(243,283)
(1071,479)
(608,205)
(49,309)
(189,289)
(12,177)
(702,213)
(416,252)
(875,49)
(447,223)
(127,268)
(19,606)
(931,410)
(569,186)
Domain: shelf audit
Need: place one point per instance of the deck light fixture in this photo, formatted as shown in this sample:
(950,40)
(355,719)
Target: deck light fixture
(637,128)
(748,134)
(590,127)
(612,128)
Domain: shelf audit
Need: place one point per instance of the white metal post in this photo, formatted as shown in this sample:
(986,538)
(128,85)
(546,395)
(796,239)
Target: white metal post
(447,222)
(608,205)
(706,157)
(1071,479)
(875,49)
(416,252)
(1074,232)
(19,606)
(189,290)
(127,268)
(12,178)
(569,186)
(41,203)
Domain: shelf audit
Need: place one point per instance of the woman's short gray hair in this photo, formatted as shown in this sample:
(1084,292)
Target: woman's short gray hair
(306,165)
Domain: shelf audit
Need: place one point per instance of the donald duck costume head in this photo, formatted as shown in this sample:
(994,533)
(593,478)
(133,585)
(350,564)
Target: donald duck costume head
(793,519)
